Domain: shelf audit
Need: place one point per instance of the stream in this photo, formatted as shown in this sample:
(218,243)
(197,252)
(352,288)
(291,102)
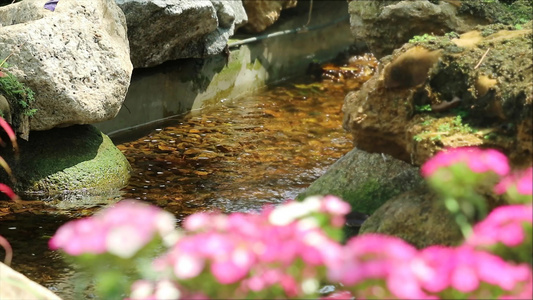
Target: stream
(235,156)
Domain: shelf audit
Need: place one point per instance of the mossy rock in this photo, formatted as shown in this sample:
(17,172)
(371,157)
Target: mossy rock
(417,216)
(77,160)
(365,180)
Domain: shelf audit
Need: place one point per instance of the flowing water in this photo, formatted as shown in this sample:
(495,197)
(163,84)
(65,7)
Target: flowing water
(235,156)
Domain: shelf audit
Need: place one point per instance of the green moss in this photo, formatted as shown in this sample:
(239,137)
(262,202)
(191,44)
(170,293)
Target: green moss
(256,65)
(67,159)
(505,12)
(17,93)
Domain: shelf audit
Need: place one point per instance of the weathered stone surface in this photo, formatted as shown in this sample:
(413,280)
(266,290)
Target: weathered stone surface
(386,25)
(418,217)
(76,59)
(162,30)
(263,13)
(77,160)
(231,15)
(16,286)
(365,180)
(398,111)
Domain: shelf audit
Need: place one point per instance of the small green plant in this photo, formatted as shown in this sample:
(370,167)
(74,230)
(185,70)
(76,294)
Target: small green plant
(465,128)
(444,127)
(421,38)
(436,138)
(16,91)
(452,35)
(421,108)
(518,27)
(419,137)
(490,136)
(427,122)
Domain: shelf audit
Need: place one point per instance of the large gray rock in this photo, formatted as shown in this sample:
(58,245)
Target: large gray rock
(16,286)
(162,30)
(76,59)
(231,15)
(417,216)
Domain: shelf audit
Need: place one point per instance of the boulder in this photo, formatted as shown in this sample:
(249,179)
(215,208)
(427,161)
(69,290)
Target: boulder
(67,164)
(416,216)
(365,180)
(386,25)
(231,16)
(16,286)
(263,13)
(162,30)
(449,91)
(75,59)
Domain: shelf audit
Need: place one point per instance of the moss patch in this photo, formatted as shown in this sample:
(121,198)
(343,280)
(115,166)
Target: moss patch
(365,180)
(67,160)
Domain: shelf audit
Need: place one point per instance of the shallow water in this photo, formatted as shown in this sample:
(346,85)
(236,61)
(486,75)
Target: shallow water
(235,156)
(242,154)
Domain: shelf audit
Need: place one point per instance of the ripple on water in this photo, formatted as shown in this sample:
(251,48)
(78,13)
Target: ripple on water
(242,154)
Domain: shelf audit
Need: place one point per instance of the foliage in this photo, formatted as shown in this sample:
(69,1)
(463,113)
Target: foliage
(17,92)
(506,12)
(290,250)
(442,127)
(421,38)
(421,108)
(6,189)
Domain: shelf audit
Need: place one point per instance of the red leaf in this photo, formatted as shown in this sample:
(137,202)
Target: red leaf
(8,191)
(10,133)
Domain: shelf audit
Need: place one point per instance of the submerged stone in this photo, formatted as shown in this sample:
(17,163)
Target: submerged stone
(365,180)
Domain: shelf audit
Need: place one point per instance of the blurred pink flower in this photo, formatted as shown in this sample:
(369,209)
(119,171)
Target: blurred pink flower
(503,224)
(335,206)
(234,267)
(340,295)
(478,160)
(197,221)
(372,257)
(86,235)
(522,180)
(160,290)
(122,230)
(464,269)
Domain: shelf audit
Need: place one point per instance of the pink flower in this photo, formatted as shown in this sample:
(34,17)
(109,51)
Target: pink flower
(340,295)
(122,230)
(464,269)
(197,221)
(335,206)
(522,180)
(503,224)
(372,257)
(160,290)
(233,267)
(440,262)
(188,266)
(464,279)
(478,160)
(81,236)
